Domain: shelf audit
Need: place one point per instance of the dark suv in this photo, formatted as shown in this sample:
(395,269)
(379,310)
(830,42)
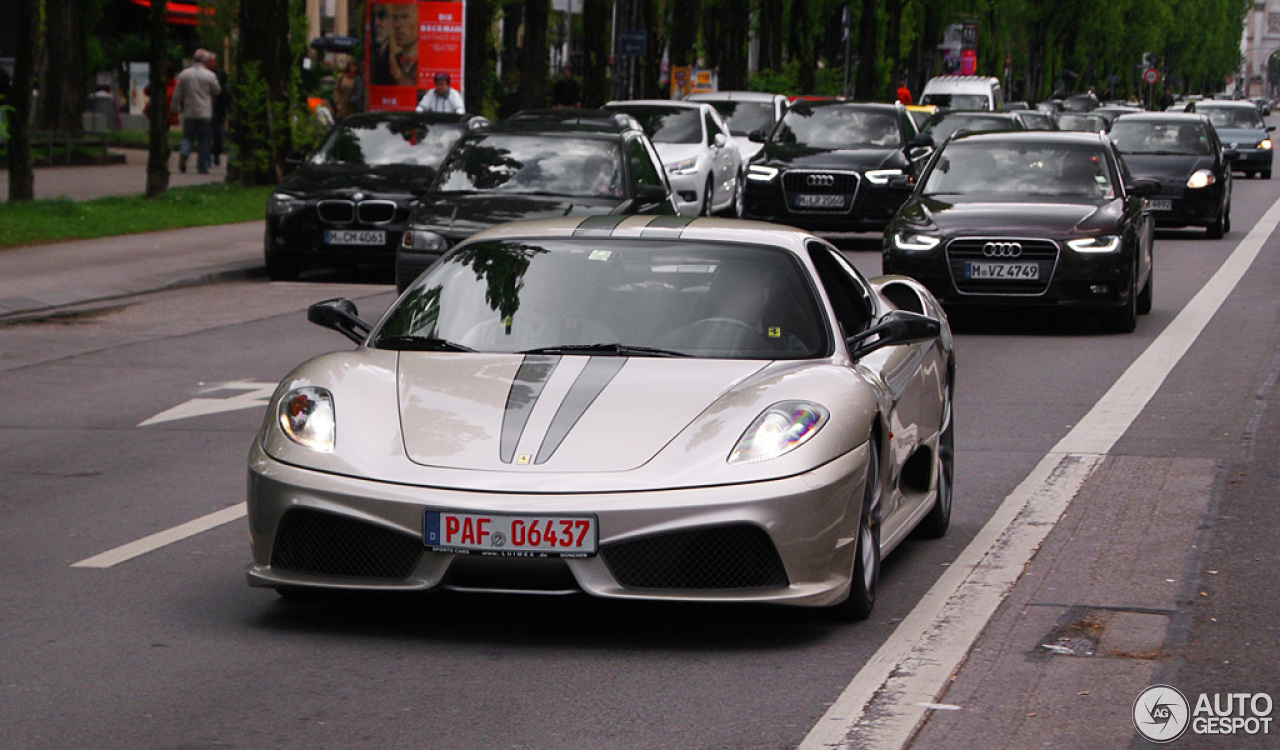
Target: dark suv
(535,166)
(346,204)
(830,166)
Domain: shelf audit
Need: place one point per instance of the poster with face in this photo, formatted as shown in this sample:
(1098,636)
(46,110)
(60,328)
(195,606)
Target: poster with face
(409,42)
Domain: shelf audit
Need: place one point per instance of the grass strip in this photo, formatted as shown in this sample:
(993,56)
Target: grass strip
(45,221)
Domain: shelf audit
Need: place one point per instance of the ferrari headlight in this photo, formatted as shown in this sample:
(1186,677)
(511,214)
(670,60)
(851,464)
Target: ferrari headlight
(761,173)
(686,166)
(306,416)
(1201,178)
(1104,243)
(881,176)
(778,430)
(1264,144)
(914,241)
(424,241)
(283,204)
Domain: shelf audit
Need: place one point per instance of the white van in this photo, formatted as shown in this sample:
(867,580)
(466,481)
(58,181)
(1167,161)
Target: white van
(963,92)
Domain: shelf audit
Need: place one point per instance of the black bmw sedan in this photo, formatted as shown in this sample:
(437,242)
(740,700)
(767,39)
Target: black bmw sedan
(346,204)
(1032,219)
(827,166)
(1183,153)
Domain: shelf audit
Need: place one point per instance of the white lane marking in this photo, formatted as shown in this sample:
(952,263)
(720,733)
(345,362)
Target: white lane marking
(941,706)
(162,538)
(889,697)
(255,395)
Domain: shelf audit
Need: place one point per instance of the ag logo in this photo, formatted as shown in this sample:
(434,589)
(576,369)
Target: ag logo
(1161,713)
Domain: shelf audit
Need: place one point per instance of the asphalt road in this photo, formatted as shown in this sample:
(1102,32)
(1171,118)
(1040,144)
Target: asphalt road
(171,649)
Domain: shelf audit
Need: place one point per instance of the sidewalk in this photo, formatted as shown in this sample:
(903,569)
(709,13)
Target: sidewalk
(43,278)
(88,182)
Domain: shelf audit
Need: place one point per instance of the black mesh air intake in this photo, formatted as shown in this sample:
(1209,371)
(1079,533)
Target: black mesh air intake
(724,557)
(325,544)
(903,297)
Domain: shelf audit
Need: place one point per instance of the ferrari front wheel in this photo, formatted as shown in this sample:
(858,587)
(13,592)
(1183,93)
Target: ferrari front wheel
(866,557)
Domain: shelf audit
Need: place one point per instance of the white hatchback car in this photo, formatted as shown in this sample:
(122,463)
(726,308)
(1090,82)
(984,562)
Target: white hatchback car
(703,163)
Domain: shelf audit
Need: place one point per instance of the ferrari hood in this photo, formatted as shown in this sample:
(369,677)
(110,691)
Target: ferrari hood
(514,413)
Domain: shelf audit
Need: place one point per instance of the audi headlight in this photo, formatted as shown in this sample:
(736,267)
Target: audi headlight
(1105,243)
(424,241)
(283,204)
(1264,144)
(914,241)
(761,173)
(778,430)
(1201,178)
(881,176)
(306,416)
(686,166)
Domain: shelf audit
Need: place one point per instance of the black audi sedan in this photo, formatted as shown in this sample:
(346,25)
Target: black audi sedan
(535,167)
(1031,219)
(1182,152)
(827,166)
(346,203)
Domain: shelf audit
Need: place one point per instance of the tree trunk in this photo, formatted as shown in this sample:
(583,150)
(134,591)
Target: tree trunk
(158,154)
(736,17)
(62,95)
(479,52)
(771,30)
(802,46)
(684,31)
(21,177)
(713,32)
(260,105)
(595,52)
(893,42)
(533,63)
(868,24)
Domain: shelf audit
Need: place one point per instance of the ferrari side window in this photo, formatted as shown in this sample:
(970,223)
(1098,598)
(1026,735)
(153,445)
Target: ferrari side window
(849,298)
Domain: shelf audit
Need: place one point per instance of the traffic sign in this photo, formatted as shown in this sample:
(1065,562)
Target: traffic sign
(632,42)
(1151,76)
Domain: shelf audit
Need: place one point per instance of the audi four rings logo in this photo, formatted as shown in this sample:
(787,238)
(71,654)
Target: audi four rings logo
(820,180)
(1002,249)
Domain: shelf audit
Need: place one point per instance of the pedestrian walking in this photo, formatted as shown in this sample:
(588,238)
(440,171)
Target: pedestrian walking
(193,97)
(442,98)
(220,104)
(348,91)
(566,92)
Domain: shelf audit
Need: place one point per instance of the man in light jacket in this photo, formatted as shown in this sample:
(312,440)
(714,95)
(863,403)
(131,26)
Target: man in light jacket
(193,97)
(442,98)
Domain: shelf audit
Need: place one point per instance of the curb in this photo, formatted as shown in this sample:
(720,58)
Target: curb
(233,272)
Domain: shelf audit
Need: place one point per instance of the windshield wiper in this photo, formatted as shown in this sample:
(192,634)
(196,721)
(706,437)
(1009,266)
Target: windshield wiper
(617,350)
(419,344)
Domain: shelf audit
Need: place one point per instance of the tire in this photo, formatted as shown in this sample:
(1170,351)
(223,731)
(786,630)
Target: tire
(866,557)
(1251,174)
(740,198)
(1226,222)
(935,524)
(1217,229)
(1266,174)
(280,269)
(706,198)
(1125,319)
(1147,295)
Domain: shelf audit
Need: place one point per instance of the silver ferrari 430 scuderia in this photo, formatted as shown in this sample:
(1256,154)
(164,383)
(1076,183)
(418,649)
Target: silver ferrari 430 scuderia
(637,407)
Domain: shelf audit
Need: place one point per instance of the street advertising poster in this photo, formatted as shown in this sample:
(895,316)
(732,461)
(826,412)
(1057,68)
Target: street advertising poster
(139,77)
(681,81)
(409,41)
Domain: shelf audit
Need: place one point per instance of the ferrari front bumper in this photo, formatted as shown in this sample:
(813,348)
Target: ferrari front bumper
(808,520)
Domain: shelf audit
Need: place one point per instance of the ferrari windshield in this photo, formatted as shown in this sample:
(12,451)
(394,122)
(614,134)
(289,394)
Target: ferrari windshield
(368,143)
(535,165)
(989,167)
(1172,138)
(1233,118)
(837,127)
(611,298)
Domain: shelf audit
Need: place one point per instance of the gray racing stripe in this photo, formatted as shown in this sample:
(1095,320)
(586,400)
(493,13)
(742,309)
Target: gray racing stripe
(598,226)
(666,227)
(533,374)
(591,382)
